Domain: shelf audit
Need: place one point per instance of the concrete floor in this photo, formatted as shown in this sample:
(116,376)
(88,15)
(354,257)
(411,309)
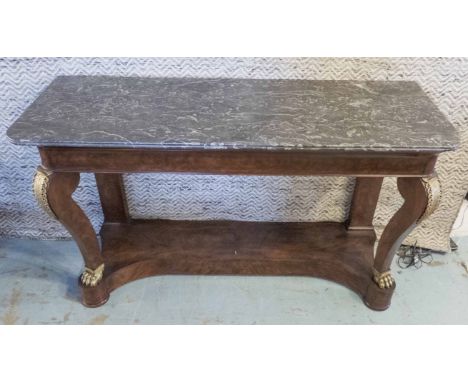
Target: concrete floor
(38,285)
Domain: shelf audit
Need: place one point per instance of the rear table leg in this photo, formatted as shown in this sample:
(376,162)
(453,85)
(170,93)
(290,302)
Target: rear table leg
(112,195)
(365,197)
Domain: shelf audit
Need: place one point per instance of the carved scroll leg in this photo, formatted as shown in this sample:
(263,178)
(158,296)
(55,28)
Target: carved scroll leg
(421,197)
(54,191)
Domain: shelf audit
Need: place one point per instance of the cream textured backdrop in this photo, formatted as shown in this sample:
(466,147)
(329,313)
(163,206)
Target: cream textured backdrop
(223,197)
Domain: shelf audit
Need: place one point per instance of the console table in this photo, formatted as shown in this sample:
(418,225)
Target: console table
(115,125)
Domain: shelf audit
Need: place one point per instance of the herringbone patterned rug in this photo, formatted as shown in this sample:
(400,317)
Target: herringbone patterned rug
(222,197)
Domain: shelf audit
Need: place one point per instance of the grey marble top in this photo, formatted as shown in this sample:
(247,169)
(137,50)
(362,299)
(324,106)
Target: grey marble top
(234,113)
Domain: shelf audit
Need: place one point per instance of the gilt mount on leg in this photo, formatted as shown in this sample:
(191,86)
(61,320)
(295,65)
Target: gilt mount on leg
(433,192)
(92,277)
(384,280)
(40,187)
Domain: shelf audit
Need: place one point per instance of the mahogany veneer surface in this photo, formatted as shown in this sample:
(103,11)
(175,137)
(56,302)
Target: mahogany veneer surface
(148,247)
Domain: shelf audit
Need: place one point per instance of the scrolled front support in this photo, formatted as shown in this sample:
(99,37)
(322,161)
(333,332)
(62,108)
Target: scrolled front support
(421,197)
(54,192)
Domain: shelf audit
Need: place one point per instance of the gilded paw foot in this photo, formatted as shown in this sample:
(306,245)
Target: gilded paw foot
(383,280)
(92,277)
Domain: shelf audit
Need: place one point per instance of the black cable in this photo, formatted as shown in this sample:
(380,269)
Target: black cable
(413,256)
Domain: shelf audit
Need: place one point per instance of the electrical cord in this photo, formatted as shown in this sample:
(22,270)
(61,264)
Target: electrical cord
(413,256)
